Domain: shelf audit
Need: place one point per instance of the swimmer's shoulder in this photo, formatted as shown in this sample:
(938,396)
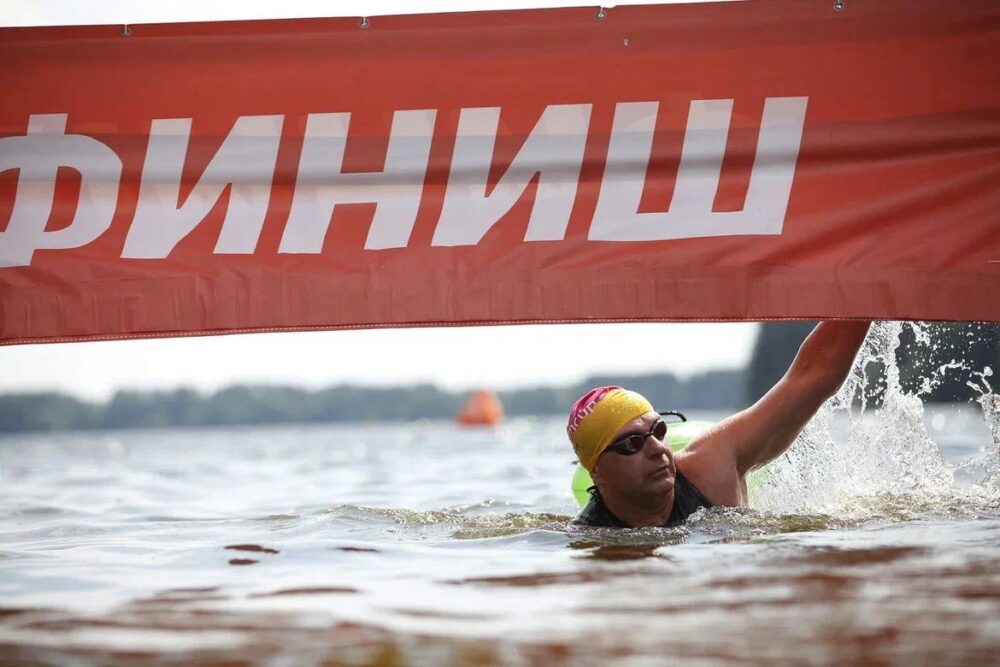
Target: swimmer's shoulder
(710,465)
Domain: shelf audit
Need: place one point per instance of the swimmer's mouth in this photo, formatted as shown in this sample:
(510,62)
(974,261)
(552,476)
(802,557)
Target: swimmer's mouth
(659,472)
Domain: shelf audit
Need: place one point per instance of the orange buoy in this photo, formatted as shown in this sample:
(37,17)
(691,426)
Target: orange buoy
(481,409)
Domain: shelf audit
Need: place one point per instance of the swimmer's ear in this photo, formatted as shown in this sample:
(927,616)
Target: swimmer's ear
(596,475)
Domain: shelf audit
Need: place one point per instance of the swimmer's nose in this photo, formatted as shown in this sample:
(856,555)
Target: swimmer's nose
(657,448)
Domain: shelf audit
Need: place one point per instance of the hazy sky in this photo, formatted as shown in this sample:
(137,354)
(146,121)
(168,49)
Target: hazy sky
(75,12)
(456,357)
(451,357)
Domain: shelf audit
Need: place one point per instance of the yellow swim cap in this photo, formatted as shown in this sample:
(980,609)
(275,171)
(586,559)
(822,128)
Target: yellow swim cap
(596,418)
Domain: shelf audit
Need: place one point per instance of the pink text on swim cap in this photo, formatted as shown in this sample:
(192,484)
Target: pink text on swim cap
(584,406)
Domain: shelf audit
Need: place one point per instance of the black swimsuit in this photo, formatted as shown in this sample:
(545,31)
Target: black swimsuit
(687,500)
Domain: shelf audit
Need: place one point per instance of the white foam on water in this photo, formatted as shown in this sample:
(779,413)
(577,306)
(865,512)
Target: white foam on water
(987,463)
(887,462)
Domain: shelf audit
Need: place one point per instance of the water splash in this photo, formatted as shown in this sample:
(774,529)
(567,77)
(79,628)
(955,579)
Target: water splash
(987,463)
(867,451)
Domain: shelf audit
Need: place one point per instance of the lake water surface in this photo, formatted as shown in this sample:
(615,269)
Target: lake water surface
(875,540)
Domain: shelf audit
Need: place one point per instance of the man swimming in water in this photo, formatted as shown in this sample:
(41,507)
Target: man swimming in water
(621,440)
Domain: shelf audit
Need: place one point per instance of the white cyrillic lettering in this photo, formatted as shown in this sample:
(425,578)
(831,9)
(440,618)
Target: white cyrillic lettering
(690,214)
(245,161)
(553,150)
(321,183)
(38,155)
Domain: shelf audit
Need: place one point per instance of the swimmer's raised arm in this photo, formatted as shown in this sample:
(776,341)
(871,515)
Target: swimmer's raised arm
(762,432)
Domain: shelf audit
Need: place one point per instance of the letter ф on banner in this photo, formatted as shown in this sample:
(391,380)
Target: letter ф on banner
(682,162)
(38,155)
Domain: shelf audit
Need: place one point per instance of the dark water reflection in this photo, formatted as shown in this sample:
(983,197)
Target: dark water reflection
(404,548)
(612,552)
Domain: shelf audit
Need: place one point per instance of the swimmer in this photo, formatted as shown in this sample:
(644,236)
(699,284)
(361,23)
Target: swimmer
(638,481)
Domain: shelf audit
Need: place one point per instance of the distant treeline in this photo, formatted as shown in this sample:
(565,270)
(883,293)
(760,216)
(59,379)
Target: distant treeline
(961,349)
(254,405)
(938,365)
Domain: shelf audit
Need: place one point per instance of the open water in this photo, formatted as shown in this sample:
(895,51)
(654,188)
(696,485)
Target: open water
(875,541)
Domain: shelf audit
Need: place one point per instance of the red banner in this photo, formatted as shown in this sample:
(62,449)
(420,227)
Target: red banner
(722,161)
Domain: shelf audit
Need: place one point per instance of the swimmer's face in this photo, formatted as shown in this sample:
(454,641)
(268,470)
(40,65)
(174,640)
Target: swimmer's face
(650,471)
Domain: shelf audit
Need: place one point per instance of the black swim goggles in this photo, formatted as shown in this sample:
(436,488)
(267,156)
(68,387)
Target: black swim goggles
(633,444)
